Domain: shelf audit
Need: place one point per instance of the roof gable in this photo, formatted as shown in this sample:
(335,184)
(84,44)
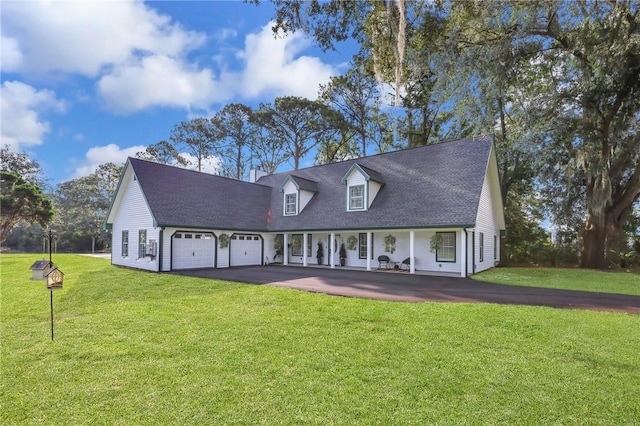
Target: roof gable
(187,198)
(368,174)
(300,184)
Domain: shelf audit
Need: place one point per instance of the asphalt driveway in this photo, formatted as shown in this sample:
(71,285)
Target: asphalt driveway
(400,286)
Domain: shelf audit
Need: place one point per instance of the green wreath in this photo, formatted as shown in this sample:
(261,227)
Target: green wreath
(224,240)
(352,242)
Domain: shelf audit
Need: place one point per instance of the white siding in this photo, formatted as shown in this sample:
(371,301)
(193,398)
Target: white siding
(488,220)
(305,197)
(132,214)
(223,253)
(356,178)
(374,188)
(289,188)
(427,261)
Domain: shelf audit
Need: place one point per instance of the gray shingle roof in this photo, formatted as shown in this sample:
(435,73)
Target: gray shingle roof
(373,175)
(187,198)
(429,186)
(305,184)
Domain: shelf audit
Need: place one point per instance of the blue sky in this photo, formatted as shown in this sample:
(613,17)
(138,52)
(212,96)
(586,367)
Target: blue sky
(88,82)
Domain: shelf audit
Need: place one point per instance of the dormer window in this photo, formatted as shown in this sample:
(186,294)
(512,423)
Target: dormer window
(291,204)
(363,185)
(356,197)
(297,194)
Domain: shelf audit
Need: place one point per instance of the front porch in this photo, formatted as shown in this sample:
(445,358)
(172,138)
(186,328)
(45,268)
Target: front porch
(399,271)
(407,250)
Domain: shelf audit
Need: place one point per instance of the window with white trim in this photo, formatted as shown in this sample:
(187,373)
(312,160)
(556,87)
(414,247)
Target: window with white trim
(125,243)
(495,247)
(291,204)
(446,252)
(481,254)
(356,197)
(142,243)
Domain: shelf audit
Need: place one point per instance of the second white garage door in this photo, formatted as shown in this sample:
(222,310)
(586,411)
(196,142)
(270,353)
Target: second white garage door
(245,250)
(192,250)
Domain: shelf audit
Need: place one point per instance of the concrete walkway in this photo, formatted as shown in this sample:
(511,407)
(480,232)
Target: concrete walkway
(401,286)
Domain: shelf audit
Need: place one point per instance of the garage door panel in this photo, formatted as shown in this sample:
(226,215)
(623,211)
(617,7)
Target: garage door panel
(245,250)
(192,250)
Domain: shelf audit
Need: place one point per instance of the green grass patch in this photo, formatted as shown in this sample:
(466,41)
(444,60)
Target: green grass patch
(144,348)
(564,278)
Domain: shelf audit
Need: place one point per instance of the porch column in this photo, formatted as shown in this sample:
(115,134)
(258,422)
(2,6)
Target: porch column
(368,251)
(463,253)
(331,247)
(412,257)
(285,249)
(304,249)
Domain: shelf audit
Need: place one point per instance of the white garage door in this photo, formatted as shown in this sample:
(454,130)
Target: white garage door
(245,250)
(192,250)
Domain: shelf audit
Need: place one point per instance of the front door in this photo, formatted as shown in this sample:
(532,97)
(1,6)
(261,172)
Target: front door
(331,250)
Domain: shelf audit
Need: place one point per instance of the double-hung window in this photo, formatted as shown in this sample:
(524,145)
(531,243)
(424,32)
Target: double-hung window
(290,204)
(447,250)
(125,243)
(142,243)
(356,197)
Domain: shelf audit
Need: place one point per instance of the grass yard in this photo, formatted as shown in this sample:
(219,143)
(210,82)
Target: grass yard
(144,348)
(567,279)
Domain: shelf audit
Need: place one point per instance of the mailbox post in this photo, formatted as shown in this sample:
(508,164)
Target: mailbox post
(54,278)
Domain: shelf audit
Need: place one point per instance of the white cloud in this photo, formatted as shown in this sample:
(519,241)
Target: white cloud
(273,66)
(98,155)
(10,54)
(20,107)
(138,57)
(156,81)
(209,165)
(84,37)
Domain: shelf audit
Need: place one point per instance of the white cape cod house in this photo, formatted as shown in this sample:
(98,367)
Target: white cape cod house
(438,207)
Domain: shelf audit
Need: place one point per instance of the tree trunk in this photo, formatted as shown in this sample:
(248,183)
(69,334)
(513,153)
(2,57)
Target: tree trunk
(594,243)
(601,236)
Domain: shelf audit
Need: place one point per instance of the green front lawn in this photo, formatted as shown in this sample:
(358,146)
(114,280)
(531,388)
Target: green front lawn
(565,278)
(145,348)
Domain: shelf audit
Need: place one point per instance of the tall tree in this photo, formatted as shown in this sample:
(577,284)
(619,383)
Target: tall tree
(300,123)
(198,137)
(83,205)
(356,96)
(236,132)
(163,152)
(268,151)
(22,164)
(21,201)
(582,62)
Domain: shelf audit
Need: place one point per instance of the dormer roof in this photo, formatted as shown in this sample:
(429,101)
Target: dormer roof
(369,174)
(300,183)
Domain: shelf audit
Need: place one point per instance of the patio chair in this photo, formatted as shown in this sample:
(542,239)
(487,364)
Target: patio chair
(406,264)
(383,260)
